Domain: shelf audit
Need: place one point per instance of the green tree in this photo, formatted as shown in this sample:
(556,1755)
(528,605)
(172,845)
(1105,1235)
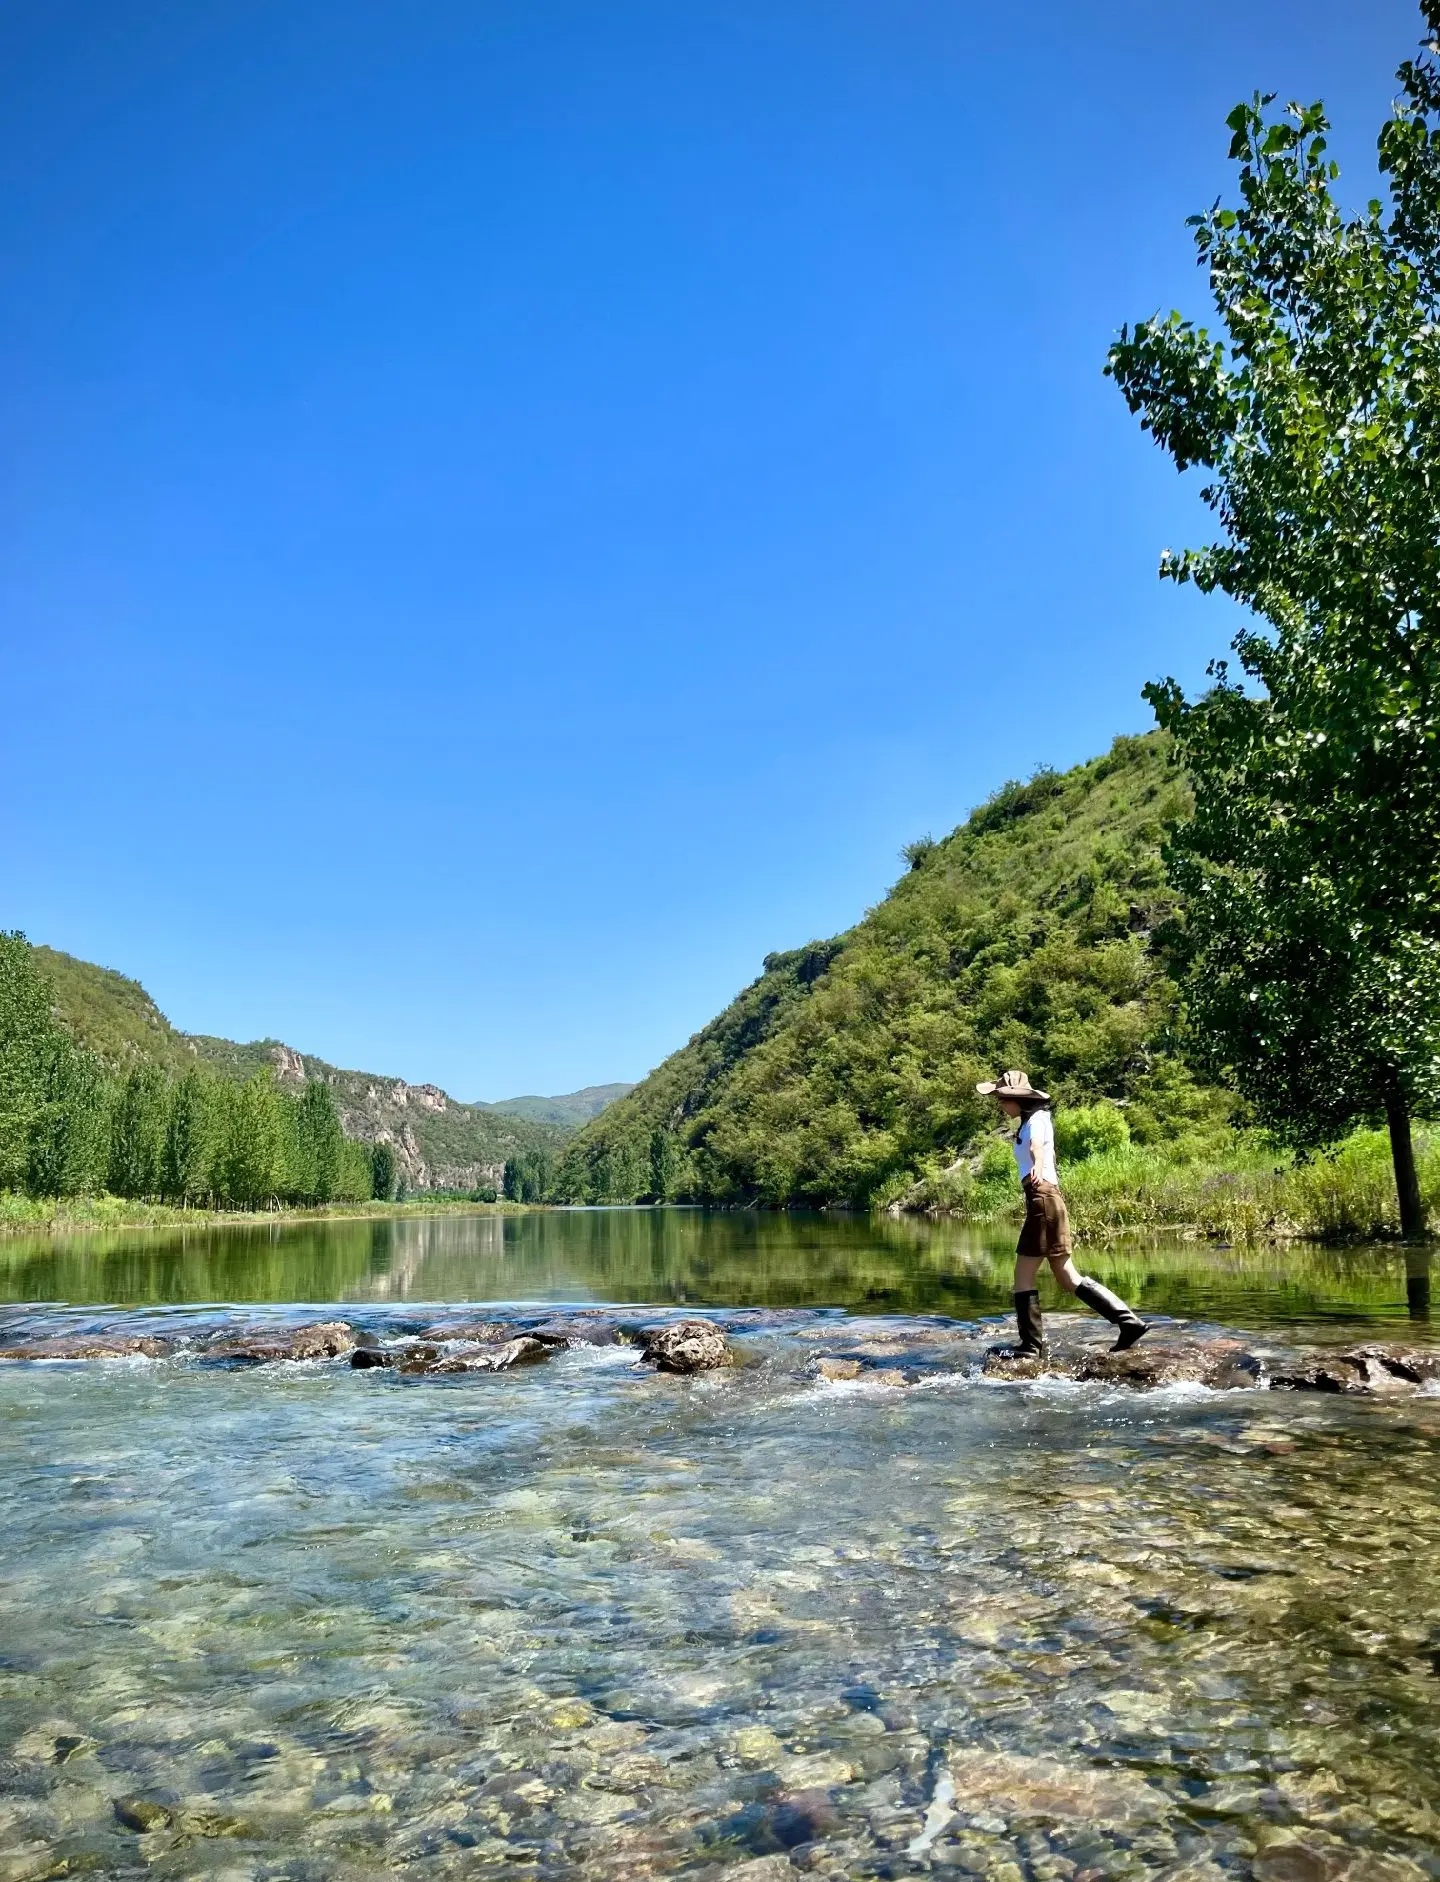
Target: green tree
(321,1142)
(67,1133)
(667,1160)
(529,1175)
(250,1163)
(137,1133)
(1312,864)
(189,1136)
(382,1172)
(29,1042)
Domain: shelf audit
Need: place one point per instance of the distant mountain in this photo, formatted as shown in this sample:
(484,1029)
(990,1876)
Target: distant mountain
(439,1142)
(572,1110)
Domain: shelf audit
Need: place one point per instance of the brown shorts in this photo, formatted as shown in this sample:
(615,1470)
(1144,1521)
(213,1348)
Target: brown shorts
(1046,1231)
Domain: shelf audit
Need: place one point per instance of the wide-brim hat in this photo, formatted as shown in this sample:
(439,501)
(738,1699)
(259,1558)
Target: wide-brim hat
(1011,1085)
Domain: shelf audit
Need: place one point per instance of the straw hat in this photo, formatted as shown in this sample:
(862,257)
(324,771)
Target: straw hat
(1011,1085)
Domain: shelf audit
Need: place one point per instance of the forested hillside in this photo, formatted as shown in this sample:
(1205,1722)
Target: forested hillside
(437,1141)
(1031,936)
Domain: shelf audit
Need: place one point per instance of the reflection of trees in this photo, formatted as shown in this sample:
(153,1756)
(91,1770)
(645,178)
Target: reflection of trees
(684,1255)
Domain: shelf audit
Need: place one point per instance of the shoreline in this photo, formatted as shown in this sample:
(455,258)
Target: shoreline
(24,1215)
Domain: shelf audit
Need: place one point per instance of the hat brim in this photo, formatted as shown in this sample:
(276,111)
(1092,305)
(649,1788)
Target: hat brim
(991,1090)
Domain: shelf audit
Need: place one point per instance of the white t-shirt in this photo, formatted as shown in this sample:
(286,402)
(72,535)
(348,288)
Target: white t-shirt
(1035,1147)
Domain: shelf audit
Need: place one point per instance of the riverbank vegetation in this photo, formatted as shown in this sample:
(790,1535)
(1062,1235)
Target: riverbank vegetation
(70,1127)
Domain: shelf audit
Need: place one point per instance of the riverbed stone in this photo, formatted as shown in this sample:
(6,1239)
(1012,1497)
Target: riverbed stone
(442,1361)
(93,1346)
(260,1346)
(1012,1788)
(472,1332)
(143,1814)
(1365,1370)
(1223,1365)
(685,1346)
(579,1331)
(835,1370)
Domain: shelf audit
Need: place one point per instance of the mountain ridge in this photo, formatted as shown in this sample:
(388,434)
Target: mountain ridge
(1035,934)
(440,1142)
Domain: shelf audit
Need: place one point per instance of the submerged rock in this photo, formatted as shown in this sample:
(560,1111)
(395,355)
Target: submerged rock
(997,1783)
(143,1814)
(831,1368)
(261,1346)
(93,1346)
(685,1346)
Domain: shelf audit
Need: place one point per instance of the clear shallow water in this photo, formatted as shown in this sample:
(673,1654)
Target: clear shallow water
(581,1620)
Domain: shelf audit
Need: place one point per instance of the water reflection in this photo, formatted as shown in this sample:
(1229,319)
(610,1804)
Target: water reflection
(683,1255)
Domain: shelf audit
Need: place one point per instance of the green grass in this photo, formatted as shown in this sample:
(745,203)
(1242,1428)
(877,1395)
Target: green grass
(1251,1194)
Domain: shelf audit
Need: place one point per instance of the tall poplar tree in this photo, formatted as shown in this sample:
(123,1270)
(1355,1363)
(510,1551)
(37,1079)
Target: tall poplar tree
(1312,865)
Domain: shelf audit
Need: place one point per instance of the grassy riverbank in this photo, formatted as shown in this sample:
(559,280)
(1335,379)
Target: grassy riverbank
(78,1215)
(1253,1194)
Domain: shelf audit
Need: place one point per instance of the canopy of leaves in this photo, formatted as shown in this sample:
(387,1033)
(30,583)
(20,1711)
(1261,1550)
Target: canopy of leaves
(1312,864)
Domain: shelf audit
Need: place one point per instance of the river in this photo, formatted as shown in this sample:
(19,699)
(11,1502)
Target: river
(584,1620)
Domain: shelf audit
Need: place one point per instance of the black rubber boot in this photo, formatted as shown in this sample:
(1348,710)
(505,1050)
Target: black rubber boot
(1032,1329)
(1110,1307)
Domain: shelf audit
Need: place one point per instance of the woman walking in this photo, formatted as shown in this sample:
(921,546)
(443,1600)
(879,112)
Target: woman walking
(1046,1233)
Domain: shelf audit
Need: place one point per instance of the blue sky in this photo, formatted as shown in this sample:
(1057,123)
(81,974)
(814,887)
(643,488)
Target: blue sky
(510,513)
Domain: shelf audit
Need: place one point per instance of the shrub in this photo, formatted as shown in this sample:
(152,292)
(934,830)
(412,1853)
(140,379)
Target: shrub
(1089,1130)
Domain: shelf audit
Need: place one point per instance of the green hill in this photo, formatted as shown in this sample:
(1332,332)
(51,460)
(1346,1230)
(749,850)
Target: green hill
(439,1142)
(1031,936)
(571,1109)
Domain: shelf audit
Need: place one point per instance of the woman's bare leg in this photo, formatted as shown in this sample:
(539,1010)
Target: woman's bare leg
(1027,1272)
(1067,1275)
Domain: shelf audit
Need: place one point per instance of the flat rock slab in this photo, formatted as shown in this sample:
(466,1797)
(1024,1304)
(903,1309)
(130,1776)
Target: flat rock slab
(263,1346)
(840,1370)
(685,1346)
(1363,1371)
(428,1359)
(582,1331)
(93,1346)
(1223,1365)
(473,1332)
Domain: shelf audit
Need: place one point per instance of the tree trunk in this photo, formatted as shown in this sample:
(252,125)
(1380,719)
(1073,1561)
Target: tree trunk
(1402,1152)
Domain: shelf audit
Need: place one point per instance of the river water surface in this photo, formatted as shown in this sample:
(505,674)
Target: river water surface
(584,1620)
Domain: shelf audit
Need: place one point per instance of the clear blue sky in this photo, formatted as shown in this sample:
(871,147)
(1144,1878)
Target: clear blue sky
(508,513)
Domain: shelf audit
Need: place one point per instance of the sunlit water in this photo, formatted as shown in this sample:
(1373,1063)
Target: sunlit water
(583,1620)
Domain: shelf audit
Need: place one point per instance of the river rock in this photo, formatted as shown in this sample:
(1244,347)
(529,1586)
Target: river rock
(260,1346)
(1223,1365)
(1365,1370)
(93,1346)
(439,1360)
(473,1332)
(143,1814)
(831,1368)
(685,1346)
(581,1331)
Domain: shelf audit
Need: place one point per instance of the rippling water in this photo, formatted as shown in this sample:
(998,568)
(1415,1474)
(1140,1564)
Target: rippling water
(583,1620)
